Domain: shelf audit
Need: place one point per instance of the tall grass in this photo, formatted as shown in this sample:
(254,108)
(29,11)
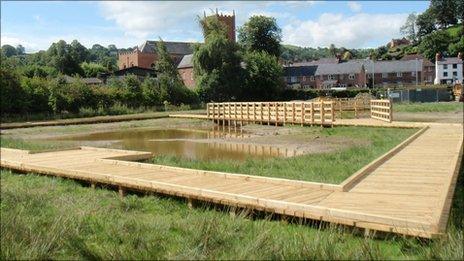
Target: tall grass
(330,167)
(54,218)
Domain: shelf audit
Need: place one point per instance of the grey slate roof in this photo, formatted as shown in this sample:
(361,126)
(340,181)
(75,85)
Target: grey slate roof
(450,60)
(316,62)
(339,68)
(389,66)
(186,62)
(300,70)
(173,47)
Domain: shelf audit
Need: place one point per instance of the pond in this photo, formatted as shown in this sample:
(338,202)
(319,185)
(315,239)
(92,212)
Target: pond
(201,144)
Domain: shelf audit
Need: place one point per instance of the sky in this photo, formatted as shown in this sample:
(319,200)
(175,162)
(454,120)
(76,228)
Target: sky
(362,24)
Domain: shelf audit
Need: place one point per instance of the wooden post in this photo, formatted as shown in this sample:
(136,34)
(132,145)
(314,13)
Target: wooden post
(390,102)
(268,113)
(207,110)
(285,113)
(293,112)
(302,113)
(355,109)
(189,203)
(276,108)
(322,113)
(340,109)
(121,192)
(333,112)
(312,113)
(93,185)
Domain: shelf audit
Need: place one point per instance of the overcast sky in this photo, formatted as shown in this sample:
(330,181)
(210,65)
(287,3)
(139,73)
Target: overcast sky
(36,25)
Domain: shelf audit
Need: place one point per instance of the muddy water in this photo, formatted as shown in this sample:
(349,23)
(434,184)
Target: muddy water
(185,143)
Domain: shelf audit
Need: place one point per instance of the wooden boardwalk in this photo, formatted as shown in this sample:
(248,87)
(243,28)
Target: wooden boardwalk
(408,190)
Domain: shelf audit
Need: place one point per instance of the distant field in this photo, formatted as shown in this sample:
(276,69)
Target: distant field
(428,107)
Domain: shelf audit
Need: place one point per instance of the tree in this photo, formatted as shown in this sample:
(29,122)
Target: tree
(78,52)
(264,76)
(425,23)
(436,42)
(93,69)
(12,95)
(62,57)
(444,11)
(216,65)
(457,47)
(261,33)
(8,50)
(172,89)
(459,10)
(333,50)
(410,28)
(20,49)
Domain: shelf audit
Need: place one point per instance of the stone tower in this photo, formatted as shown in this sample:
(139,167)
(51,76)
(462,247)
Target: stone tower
(229,21)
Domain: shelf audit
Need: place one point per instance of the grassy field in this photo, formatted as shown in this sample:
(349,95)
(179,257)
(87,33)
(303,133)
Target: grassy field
(54,218)
(428,107)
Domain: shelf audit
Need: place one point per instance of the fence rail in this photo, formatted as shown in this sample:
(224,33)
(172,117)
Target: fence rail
(304,113)
(382,110)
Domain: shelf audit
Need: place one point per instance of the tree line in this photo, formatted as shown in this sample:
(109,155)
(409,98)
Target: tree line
(439,29)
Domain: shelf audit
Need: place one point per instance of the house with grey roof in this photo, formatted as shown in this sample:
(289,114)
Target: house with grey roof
(300,77)
(392,73)
(448,70)
(340,75)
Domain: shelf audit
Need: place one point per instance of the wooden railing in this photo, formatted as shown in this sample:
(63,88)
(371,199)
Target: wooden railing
(304,113)
(382,110)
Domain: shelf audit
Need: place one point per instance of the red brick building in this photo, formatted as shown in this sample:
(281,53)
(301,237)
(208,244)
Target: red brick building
(185,69)
(144,56)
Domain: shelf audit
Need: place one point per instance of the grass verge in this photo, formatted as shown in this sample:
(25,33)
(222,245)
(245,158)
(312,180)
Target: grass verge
(428,107)
(54,218)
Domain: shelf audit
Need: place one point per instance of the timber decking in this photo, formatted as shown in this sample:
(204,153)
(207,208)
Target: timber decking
(408,190)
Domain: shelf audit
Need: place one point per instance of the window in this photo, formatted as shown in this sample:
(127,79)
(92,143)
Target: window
(413,73)
(445,74)
(331,77)
(455,65)
(351,76)
(445,66)
(292,78)
(384,75)
(430,69)
(311,78)
(304,78)
(455,73)
(399,74)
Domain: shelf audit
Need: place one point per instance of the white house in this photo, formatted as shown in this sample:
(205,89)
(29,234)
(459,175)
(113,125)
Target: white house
(448,70)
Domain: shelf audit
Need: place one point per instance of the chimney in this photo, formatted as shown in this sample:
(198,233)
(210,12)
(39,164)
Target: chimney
(460,55)
(437,57)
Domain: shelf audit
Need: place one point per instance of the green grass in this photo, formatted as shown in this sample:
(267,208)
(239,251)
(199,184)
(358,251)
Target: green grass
(428,107)
(53,218)
(331,167)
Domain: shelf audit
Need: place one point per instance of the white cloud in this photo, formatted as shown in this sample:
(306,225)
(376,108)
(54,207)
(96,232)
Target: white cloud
(354,31)
(177,20)
(355,6)
(15,41)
